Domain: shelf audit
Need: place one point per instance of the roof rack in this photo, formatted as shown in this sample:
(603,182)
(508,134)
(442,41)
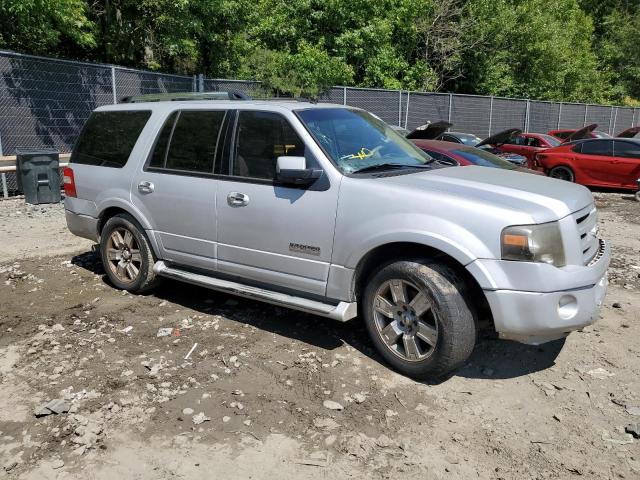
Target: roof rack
(185,96)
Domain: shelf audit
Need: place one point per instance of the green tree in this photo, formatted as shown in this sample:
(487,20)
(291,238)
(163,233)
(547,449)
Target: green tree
(51,27)
(530,48)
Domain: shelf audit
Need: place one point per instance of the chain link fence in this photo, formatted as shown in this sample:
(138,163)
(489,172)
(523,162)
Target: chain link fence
(44,102)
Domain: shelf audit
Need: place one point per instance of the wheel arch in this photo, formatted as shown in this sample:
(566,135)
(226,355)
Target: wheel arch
(109,210)
(388,253)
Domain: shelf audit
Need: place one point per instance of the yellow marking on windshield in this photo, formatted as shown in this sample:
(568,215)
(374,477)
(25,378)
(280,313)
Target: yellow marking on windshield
(361,155)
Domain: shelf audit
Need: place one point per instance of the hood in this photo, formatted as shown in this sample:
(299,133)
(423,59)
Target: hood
(629,132)
(429,131)
(541,199)
(584,132)
(500,138)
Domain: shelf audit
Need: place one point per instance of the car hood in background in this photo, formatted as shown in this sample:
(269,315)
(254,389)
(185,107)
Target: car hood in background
(500,137)
(629,132)
(584,132)
(429,131)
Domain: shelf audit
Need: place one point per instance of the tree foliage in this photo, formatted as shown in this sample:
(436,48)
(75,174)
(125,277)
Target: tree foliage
(571,50)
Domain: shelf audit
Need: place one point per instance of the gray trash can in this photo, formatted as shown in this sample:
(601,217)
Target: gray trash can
(38,173)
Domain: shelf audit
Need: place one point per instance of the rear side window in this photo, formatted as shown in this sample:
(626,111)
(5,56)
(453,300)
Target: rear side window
(626,149)
(108,138)
(597,147)
(188,140)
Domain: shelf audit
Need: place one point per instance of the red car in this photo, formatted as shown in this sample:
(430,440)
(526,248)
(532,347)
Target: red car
(455,154)
(601,162)
(628,133)
(529,145)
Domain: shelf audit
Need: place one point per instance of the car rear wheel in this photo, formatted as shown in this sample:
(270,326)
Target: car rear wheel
(127,255)
(562,172)
(418,318)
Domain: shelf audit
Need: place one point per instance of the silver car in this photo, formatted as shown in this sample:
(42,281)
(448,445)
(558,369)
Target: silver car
(325,209)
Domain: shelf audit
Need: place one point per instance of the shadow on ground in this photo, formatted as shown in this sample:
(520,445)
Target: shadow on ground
(491,359)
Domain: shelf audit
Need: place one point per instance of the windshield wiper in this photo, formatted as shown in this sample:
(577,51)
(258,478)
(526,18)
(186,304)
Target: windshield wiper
(389,166)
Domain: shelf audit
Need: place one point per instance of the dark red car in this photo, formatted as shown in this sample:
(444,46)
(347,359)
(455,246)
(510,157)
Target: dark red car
(455,154)
(529,145)
(598,162)
(563,134)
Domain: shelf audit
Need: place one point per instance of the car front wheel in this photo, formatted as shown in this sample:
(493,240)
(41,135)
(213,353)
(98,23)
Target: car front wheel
(418,318)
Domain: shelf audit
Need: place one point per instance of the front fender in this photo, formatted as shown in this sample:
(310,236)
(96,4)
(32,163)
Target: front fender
(451,238)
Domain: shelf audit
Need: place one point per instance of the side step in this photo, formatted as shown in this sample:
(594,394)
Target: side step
(342,312)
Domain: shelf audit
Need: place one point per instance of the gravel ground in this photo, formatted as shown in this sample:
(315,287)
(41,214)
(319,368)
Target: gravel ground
(239,389)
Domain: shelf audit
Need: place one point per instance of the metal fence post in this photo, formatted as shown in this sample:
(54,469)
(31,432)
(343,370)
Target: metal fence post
(526,116)
(450,107)
(490,115)
(113,85)
(612,120)
(200,83)
(399,108)
(5,191)
(406,114)
(194,85)
(633,118)
(586,110)
(344,95)
(559,116)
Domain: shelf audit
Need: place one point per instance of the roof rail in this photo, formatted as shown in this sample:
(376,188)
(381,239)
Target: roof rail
(185,96)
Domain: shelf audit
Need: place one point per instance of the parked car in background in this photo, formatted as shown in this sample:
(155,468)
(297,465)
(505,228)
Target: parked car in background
(529,145)
(564,134)
(597,162)
(455,154)
(438,131)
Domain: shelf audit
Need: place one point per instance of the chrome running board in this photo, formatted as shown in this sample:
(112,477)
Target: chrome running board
(342,312)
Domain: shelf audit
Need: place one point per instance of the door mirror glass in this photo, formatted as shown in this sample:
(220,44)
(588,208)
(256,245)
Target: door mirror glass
(294,171)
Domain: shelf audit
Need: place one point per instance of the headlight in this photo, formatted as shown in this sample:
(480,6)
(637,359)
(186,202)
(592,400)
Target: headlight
(534,243)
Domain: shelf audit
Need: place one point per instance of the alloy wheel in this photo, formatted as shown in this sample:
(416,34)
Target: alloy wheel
(123,255)
(562,173)
(405,320)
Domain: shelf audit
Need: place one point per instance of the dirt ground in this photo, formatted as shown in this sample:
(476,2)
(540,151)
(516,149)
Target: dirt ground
(237,389)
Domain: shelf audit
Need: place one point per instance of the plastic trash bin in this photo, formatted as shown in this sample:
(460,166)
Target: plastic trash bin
(38,173)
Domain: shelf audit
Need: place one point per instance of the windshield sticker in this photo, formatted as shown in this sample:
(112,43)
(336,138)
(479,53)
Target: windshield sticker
(361,155)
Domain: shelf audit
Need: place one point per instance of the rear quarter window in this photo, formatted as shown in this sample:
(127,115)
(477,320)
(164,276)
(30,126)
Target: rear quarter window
(108,138)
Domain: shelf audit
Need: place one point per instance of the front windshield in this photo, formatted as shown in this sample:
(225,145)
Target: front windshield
(355,140)
(600,134)
(469,139)
(483,158)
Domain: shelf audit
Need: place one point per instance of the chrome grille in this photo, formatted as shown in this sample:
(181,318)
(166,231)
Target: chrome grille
(587,222)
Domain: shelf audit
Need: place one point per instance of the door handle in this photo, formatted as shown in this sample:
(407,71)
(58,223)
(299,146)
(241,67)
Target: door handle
(145,187)
(237,199)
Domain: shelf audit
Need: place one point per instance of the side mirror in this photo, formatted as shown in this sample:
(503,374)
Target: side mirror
(294,171)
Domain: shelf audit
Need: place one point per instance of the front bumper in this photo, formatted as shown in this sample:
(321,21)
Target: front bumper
(535,317)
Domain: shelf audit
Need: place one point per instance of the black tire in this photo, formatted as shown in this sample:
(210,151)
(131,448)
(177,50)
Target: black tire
(146,279)
(562,172)
(449,314)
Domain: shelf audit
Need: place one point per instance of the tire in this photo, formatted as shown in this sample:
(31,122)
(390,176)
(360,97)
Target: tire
(126,254)
(562,172)
(434,313)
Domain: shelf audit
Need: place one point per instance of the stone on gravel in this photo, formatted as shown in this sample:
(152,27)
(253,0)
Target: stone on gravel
(187,411)
(57,463)
(633,429)
(359,397)
(616,305)
(633,410)
(200,418)
(600,373)
(331,405)
(55,406)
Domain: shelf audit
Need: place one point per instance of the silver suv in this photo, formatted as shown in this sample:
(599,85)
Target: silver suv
(325,209)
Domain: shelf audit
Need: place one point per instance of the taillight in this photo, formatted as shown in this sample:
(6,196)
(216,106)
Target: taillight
(69,182)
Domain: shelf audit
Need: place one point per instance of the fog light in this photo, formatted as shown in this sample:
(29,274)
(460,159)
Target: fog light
(567,307)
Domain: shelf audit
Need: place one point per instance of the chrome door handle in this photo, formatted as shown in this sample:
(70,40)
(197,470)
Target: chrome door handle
(237,199)
(145,187)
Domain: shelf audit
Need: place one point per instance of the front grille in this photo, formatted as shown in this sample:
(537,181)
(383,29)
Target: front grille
(587,223)
(599,253)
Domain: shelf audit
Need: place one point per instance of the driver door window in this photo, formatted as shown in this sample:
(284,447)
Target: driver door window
(262,137)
